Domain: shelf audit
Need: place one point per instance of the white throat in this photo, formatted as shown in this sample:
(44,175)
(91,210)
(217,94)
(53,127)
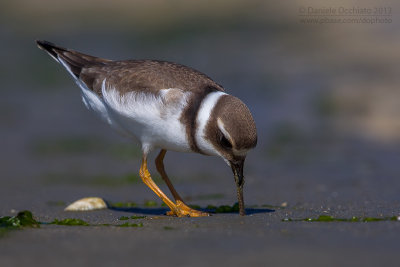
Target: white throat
(203,116)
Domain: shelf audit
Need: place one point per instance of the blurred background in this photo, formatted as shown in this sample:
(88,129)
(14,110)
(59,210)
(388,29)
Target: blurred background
(325,97)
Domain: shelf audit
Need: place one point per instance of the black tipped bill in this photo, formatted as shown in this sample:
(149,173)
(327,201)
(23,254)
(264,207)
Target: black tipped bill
(237,169)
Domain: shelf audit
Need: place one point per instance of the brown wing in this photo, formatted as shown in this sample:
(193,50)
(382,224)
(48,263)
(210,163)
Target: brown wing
(147,76)
(131,75)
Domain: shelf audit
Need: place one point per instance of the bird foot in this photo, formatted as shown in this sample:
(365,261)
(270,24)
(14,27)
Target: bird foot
(182,210)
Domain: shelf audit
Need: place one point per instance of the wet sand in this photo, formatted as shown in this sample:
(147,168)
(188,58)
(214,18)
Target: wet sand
(324,98)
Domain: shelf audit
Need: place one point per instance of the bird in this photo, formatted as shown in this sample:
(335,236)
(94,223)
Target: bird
(164,106)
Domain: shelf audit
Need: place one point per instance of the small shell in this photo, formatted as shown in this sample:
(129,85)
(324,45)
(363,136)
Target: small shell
(87,203)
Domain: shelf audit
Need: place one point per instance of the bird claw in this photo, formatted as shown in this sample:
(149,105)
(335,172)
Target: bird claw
(182,210)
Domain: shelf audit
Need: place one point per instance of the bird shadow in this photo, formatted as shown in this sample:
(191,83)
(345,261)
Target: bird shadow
(163,211)
(146,211)
(251,211)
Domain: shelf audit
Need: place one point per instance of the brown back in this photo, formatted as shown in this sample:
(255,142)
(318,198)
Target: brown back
(131,75)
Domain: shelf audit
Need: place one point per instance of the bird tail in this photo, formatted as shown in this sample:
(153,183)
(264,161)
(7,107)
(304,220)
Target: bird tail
(72,60)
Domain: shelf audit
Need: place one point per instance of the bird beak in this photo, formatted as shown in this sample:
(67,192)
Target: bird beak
(237,169)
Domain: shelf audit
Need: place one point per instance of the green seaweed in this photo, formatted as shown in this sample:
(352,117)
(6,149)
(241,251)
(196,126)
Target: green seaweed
(123,205)
(150,203)
(133,217)
(223,208)
(22,219)
(70,222)
(327,218)
(25,219)
(128,224)
(79,222)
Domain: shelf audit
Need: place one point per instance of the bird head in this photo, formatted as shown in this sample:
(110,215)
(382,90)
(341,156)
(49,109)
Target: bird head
(232,132)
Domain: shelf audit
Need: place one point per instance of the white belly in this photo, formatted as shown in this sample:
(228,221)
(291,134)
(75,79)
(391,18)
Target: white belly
(152,120)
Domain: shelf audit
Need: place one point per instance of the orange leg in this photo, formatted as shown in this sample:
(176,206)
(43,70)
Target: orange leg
(181,206)
(145,175)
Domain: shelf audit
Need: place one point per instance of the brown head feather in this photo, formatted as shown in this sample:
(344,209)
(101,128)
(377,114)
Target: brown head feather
(238,123)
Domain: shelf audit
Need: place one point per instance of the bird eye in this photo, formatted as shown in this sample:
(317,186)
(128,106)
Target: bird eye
(225,143)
